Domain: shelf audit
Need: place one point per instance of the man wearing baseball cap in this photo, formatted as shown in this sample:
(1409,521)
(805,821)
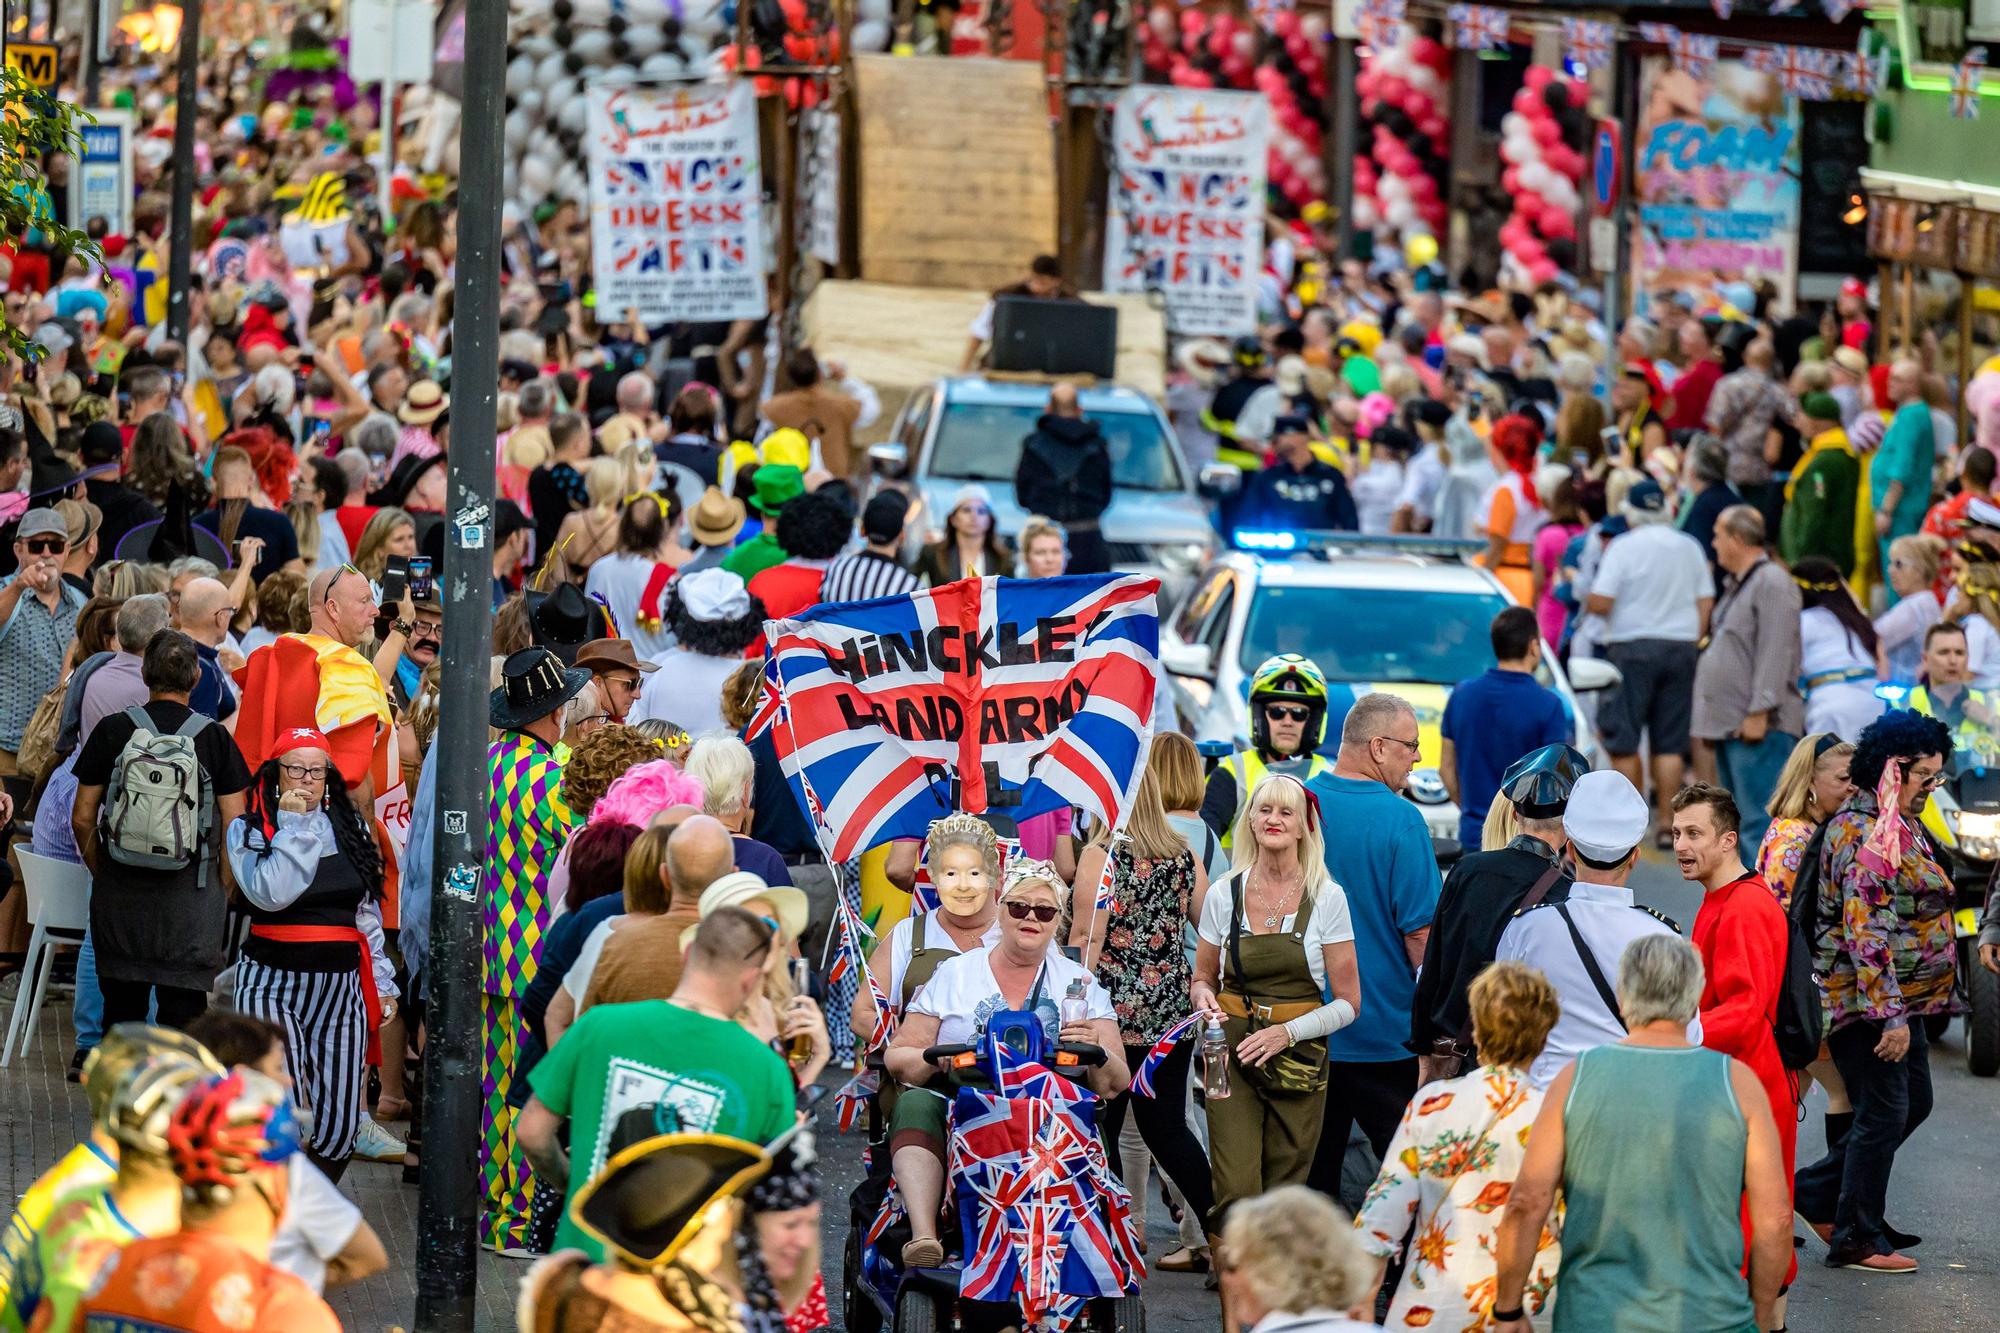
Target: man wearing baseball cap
(1298,491)
(876,570)
(1577,941)
(37,621)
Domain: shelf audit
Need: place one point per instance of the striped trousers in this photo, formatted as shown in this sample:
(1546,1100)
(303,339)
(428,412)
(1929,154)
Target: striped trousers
(326,1045)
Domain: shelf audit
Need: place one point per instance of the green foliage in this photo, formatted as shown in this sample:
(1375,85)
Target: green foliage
(35,125)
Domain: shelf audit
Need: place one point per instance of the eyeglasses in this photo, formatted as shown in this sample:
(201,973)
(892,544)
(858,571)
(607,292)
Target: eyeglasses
(303,772)
(428,629)
(1040,911)
(45,545)
(1931,783)
(1415,747)
(1287,712)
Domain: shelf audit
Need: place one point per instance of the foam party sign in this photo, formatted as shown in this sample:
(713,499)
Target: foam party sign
(676,209)
(1188,204)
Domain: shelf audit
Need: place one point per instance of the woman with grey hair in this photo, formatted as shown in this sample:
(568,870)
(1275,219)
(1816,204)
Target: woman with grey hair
(1290,1261)
(1705,477)
(1659,1148)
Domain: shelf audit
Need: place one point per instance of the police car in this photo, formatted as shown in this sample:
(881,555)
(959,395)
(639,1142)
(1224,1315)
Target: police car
(1406,615)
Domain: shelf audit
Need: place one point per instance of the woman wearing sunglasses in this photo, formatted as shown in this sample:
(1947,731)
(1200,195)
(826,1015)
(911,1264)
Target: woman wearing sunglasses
(1023,971)
(311,872)
(1274,940)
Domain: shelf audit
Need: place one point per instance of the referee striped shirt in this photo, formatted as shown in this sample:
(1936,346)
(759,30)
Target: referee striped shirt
(858,577)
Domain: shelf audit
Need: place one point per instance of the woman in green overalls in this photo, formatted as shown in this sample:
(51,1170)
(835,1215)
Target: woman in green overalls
(1274,942)
(963,854)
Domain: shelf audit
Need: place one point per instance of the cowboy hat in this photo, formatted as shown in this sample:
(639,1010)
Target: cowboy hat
(565,620)
(716,518)
(533,683)
(600,655)
(423,404)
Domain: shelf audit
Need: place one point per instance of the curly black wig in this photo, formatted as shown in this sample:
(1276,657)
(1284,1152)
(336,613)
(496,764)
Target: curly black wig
(815,526)
(1901,733)
(351,832)
(714,638)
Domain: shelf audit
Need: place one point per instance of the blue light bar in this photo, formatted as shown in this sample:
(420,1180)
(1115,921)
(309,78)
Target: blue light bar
(1267,541)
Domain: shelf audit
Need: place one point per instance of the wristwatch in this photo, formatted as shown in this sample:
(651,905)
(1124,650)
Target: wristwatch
(402,627)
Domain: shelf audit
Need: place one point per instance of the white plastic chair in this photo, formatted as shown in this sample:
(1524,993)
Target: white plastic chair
(59,908)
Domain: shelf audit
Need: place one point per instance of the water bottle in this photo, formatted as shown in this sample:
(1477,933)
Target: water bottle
(1214,1061)
(1076,1003)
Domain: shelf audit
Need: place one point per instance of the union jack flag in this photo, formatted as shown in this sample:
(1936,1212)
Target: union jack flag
(1266,11)
(853,1097)
(1965,84)
(1802,71)
(1723,8)
(1380,22)
(1038,688)
(1478,27)
(1858,74)
(1589,41)
(1695,53)
(1660,34)
(1838,10)
(1142,1081)
(1046,1224)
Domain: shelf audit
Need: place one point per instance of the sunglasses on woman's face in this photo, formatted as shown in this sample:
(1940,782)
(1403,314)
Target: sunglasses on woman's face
(1040,911)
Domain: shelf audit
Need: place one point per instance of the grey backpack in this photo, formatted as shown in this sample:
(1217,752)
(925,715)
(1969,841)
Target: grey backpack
(158,807)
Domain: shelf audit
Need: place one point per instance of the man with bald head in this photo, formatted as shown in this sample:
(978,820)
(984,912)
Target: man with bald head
(1899,480)
(206,610)
(1065,474)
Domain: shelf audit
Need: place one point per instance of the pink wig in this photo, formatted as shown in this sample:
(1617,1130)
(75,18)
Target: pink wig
(643,790)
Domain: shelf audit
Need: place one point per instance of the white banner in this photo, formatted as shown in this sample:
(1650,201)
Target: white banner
(1186,206)
(824,201)
(389,40)
(676,220)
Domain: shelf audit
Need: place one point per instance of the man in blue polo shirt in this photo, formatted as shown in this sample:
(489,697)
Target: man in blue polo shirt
(1495,718)
(1379,851)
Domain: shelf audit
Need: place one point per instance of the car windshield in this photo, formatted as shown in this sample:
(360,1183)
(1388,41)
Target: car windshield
(982,442)
(1374,634)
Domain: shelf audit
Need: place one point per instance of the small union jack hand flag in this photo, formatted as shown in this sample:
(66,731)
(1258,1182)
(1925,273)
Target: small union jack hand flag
(1478,27)
(1965,84)
(1142,1082)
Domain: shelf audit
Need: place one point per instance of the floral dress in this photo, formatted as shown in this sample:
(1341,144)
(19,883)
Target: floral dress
(1447,1174)
(1778,857)
(1144,968)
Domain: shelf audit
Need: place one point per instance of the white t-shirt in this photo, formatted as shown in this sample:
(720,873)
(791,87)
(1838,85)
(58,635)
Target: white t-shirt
(1655,576)
(902,938)
(962,995)
(686,690)
(1330,923)
(621,579)
(577,980)
(1982,652)
(319,1221)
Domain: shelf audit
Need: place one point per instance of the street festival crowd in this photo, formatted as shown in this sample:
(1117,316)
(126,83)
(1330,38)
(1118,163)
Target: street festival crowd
(219,636)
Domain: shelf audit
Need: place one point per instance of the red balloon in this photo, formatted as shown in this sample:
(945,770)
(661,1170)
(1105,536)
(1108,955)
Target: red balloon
(1579,94)
(1286,24)
(1193,20)
(1434,127)
(1510,180)
(1538,77)
(1545,271)
(1563,229)
(1391,89)
(1425,51)
(1528,104)
(1547,133)
(1366,84)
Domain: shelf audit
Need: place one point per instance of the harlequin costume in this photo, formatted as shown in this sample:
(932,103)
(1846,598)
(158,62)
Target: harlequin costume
(530,824)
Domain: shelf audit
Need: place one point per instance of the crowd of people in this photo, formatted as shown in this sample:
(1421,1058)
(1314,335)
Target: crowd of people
(220,625)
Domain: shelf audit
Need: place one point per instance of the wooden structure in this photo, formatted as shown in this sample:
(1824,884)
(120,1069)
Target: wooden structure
(956,183)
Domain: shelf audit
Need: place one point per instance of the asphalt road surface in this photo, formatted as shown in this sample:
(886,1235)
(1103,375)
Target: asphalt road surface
(1944,1189)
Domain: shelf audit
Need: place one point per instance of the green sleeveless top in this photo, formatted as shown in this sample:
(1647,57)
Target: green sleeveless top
(1653,1184)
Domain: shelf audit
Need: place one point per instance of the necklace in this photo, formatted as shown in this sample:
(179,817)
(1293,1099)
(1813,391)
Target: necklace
(1273,909)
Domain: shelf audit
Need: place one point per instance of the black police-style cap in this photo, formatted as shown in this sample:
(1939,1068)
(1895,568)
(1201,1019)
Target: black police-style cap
(1538,783)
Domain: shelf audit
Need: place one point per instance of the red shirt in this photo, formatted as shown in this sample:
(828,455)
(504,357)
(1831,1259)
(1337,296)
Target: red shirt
(198,1283)
(1691,392)
(353,518)
(786,590)
(1741,934)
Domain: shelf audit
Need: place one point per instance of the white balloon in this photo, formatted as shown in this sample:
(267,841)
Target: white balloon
(1536,177)
(1563,194)
(1392,188)
(1424,79)
(571,114)
(530,102)
(662,65)
(1396,60)
(1521,150)
(1400,213)
(1365,213)
(1513,124)
(620,74)
(594,45)
(871,35)
(644,39)
(520,75)
(537,46)
(590,13)
(516,131)
(873,9)
(550,70)
(558,95)
(536,175)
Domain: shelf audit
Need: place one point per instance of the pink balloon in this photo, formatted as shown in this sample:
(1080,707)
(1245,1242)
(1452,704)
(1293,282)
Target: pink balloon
(1310,64)
(1579,94)
(1562,229)
(1434,127)
(1538,77)
(1510,180)
(1297,47)
(1528,104)
(1217,41)
(1193,20)
(1545,271)
(1367,83)
(1235,70)
(1423,187)
(1391,89)
(1224,21)
(1425,50)
(1286,24)
(1548,134)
